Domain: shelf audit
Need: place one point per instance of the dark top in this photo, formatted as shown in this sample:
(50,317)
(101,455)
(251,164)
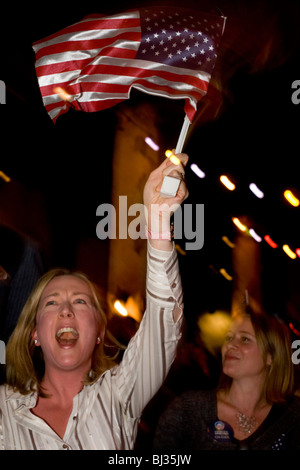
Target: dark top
(191,423)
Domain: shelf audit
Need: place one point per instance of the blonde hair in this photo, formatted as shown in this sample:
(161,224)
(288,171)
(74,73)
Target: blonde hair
(273,338)
(25,365)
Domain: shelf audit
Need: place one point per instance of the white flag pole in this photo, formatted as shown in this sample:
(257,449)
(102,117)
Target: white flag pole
(170,184)
(183,133)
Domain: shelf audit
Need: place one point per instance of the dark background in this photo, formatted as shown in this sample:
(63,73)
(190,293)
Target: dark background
(253,137)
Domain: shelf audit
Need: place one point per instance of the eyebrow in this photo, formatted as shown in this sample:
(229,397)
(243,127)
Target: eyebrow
(242,332)
(56,294)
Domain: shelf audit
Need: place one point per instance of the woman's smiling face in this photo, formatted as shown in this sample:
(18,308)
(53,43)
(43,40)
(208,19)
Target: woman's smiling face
(241,355)
(67,324)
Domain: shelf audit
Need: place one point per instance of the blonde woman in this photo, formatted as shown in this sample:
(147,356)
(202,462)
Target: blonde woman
(61,390)
(254,406)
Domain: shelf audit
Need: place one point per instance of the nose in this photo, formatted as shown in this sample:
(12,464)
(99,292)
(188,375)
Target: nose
(66,311)
(233,344)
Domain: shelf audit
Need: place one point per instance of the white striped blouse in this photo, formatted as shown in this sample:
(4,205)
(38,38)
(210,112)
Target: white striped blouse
(106,414)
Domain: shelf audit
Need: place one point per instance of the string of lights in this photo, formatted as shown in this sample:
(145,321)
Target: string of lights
(231,186)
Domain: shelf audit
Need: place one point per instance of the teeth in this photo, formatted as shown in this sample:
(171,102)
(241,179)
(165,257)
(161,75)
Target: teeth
(66,330)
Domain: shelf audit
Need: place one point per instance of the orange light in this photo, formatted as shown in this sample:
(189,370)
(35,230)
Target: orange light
(169,154)
(6,178)
(239,224)
(62,93)
(227,183)
(289,252)
(225,274)
(291,198)
(228,242)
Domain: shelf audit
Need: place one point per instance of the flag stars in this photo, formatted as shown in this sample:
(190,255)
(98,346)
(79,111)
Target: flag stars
(179,40)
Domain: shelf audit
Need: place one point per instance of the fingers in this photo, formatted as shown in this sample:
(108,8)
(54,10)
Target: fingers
(176,170)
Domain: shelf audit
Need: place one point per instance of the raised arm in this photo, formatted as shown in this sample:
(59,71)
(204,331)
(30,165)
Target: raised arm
(152,350)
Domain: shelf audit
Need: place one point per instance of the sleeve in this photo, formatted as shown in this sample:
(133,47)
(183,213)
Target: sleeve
(151,352)
(1,430)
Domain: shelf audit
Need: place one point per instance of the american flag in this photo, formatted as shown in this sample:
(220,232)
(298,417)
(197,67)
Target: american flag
(159,50)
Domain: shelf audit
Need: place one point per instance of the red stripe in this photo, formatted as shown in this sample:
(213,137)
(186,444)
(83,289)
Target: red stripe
(144,73)
(100,23)
(70,65)
(86,45)
(85,86)
(121,88)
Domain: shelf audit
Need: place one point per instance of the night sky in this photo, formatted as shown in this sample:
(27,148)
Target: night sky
(252,137)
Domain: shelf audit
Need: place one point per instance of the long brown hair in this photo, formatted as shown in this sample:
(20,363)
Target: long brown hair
(273,338)
(25,365)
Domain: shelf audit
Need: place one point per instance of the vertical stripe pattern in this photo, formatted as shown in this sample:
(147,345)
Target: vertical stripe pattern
(106,414)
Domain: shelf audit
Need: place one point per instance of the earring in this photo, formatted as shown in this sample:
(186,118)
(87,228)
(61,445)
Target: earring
(98,340)
(35,341)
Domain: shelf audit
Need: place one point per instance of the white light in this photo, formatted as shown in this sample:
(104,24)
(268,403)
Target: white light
(255,235)
(120,308)
(151,143)
(258,193)
(197,170)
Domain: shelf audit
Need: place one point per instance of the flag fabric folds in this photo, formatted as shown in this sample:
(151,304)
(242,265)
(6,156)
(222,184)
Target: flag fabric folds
(168,52)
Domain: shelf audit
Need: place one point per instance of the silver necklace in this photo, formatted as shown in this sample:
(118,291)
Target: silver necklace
(246,424)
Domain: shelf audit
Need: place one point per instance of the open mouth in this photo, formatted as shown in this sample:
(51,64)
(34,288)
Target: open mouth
(67,336)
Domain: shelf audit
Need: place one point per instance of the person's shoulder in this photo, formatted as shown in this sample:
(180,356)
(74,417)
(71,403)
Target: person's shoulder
(5,392)
(199,395)
(198,399)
